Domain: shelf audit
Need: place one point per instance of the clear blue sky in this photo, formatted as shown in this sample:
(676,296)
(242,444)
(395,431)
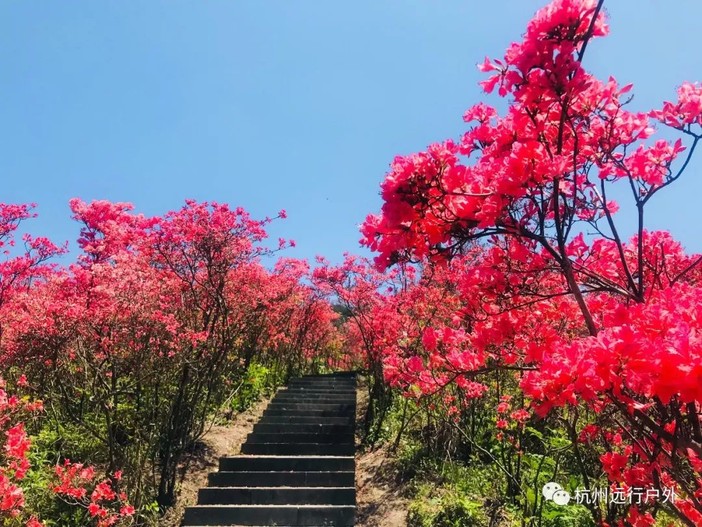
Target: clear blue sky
(294,104)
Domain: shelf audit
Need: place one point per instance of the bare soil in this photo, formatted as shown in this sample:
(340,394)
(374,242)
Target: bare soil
(379,492)
(379,498)
(218,441)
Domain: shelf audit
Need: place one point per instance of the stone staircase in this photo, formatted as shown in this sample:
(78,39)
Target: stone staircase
(296,468)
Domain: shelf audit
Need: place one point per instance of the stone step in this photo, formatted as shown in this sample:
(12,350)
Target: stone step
(336,374)
(297,478)
(304,428)
(312,401)
(318,415)
(298,449)
(299,437)
(333,397)
(322,385)
(316,387)
(310,405)
(351,394)
(288,399)
(278,463)
(284,418)
(341,390)
(291,515)
(319,379)
(277,496)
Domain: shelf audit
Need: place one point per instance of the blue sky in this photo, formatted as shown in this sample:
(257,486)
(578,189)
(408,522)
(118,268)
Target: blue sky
(272,104)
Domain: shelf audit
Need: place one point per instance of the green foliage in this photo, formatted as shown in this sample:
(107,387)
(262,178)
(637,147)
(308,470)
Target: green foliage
(65,440)
(38,497)
(256,382)
(449,509)
(458,471)
(449,493)
(571,515)
(458,511)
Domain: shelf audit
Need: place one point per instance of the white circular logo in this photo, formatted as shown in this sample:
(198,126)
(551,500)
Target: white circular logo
(561,497)
(550,489)
(554,492)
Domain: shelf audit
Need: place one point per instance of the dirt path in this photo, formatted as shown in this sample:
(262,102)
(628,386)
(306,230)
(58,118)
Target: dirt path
(379,498)
(378,495)
(220,440)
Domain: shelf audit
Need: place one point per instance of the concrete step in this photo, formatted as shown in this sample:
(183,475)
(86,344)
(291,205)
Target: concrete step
(291,515)
(341,390)
(277,496)
(312,388)
(298,449)
(325,376)
(306,419)
(321,381)
(322,385)
(304,428)
(297,478)
(315,393)
(333,397)
(316,407)
(311,405)
(296,463)
(284,418)
(318,415)
(298,437)
(311,401)
(287,399)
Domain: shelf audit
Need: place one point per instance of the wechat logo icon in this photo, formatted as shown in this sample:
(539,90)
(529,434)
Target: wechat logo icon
(555,493)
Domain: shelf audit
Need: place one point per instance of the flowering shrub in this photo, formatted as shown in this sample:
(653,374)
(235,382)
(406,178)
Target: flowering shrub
(590,324)
(140,340)
(14,444)
(105,506)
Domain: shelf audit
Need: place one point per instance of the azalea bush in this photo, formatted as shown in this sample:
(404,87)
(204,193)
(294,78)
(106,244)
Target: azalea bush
(14,462)
(138,344)
(598,333)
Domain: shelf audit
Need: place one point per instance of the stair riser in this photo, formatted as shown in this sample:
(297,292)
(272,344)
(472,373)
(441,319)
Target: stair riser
(292,516)
(334,375)
(311,410)
(308,464)
(315,397)
(285,419)
(312,401)
(318,389)
(283,437)
(316,414)
(281,479)
(306,399)
(282,496)
(310,428)
(299,449)
(275,405)
(347,380)
(322,385)
(324,378)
